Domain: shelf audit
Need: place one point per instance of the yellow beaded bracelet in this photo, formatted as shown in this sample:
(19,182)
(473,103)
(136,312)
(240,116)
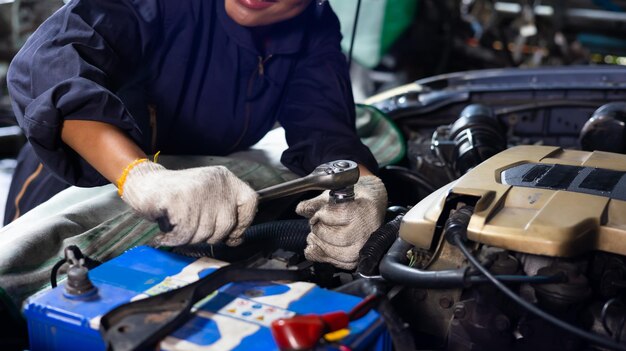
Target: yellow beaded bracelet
(122,179)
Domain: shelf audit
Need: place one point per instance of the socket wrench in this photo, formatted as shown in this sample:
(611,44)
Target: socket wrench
(337,176)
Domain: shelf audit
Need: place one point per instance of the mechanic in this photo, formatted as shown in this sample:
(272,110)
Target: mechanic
(103,83)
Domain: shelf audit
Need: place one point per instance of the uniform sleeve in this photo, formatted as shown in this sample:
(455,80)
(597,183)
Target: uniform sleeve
(318,111)
(70,68)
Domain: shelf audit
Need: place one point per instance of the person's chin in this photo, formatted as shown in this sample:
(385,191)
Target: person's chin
(249,21)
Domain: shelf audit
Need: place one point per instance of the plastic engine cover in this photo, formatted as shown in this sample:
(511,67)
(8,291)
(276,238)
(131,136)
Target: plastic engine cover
(536,199)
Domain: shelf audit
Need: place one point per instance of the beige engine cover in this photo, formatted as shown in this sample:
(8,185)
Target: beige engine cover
(554,220)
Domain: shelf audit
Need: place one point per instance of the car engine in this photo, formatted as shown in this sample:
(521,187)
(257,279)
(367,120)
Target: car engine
(530,165)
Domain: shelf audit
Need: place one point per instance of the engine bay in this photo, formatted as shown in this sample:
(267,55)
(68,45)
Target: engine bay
(547,203)
(518,172)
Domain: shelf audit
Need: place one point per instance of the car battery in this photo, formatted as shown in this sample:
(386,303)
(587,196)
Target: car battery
(235,317)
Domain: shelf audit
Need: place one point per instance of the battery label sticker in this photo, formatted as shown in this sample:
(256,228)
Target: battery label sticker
(227,333)
(191,273)
(271,293)
(253,312)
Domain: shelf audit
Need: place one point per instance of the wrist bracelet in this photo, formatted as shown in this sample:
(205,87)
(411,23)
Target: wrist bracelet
(122,178)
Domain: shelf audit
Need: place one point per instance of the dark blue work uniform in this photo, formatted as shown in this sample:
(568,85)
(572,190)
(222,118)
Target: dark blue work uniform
(180,77)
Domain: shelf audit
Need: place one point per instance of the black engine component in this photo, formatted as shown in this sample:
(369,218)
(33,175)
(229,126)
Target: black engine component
(477,135)
(563,296)
(484,316)
(474,137)
(606,129)
(608,275)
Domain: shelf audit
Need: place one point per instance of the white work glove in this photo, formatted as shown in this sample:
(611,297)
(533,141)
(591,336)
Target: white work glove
(205,205)
(339,230)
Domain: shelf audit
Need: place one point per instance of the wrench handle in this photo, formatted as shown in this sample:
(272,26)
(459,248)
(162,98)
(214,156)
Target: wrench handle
(335,175)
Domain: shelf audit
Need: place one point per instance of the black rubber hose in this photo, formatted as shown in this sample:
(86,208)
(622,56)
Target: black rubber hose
(394,269)
(289,235)
(376,246)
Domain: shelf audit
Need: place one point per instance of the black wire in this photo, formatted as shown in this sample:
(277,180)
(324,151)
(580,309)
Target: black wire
(593,338)
(356,20)
(55,271)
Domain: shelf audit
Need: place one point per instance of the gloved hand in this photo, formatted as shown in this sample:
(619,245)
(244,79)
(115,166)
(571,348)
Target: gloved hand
(339,231)
(206,204)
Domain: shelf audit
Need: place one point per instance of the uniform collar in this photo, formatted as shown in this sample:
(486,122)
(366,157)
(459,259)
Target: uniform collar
(284,38)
